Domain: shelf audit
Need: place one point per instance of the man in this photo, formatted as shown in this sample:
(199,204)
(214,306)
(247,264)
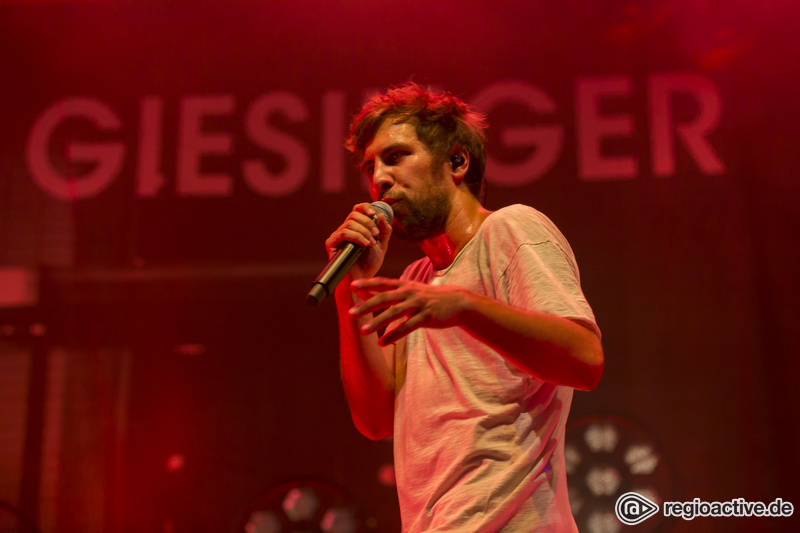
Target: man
(483,340)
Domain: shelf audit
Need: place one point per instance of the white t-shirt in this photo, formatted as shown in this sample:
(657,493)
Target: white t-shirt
(478,442)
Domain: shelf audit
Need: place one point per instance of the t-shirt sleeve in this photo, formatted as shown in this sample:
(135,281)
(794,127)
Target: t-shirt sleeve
(542,276)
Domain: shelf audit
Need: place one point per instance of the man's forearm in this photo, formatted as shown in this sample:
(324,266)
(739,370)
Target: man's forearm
(368,381)
(554,349)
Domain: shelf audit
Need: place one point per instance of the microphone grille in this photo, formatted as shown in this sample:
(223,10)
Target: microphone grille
(386,209)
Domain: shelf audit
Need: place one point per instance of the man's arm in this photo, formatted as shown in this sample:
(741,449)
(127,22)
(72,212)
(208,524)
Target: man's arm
(367,368)
(555,349)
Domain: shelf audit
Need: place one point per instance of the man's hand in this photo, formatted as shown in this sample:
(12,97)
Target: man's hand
(360,229)
(403,306)
(552,348)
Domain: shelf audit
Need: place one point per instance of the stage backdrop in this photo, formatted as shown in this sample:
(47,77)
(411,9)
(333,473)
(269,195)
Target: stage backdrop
(169,172)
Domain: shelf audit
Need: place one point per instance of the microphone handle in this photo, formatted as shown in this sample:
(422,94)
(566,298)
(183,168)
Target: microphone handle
(332,274)
(342,261)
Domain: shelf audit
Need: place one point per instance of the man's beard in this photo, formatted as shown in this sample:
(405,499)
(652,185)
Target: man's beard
(424,218)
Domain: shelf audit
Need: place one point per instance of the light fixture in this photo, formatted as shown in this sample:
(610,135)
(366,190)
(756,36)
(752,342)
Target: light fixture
(607,456)
(304,506)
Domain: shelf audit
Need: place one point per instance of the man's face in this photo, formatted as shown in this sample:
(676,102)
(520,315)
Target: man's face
(403,173)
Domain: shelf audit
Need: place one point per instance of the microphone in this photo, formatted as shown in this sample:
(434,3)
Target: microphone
(341,263)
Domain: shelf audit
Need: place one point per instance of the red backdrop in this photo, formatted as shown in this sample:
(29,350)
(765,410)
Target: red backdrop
(170,171)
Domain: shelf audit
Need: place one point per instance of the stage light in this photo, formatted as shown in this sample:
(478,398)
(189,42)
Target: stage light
(605,457)
(306,505)
(603,480)
(339,520)
(603,522)
(263,522)
(175,463)
(576,500)
(572,457)
(300,504)
(386,475)
(641,459)
(601,437)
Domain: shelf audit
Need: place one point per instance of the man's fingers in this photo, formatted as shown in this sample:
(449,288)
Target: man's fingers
(391,337)
(385,318)
(383,225)
(354,230)
(357,236)
(364,207)
(374,302)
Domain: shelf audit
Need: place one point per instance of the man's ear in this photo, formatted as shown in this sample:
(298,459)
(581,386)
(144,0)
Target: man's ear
(459,162)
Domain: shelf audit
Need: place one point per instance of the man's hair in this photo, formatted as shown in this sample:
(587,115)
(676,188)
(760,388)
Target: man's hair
(442,122)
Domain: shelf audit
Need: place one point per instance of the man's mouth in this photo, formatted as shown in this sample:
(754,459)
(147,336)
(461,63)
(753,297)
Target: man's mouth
(393,202)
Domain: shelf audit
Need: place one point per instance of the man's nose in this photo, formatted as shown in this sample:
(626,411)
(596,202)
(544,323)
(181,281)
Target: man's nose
(382,179)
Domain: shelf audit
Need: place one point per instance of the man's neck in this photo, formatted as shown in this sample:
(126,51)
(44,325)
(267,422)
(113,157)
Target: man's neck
(462,224)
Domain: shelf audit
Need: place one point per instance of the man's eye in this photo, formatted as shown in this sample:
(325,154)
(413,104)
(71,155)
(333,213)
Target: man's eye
(393,158)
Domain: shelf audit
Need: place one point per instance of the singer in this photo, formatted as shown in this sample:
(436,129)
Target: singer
(470,359)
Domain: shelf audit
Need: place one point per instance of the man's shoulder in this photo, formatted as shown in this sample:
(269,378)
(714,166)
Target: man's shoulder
(523,222)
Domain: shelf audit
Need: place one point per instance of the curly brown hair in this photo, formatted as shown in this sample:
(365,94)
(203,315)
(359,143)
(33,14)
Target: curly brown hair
(443,122)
